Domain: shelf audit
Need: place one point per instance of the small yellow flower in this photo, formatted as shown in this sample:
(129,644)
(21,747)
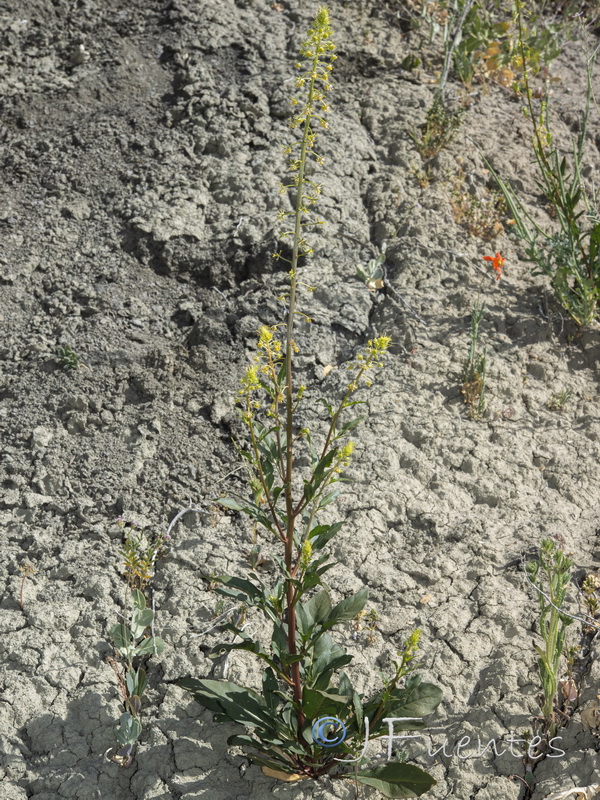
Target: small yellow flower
(306,554)
(265,336)
(250,380)
(347,451)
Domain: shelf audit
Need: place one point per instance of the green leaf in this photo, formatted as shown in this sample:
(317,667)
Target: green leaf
(358,710)
(245,740)
(270,687)
(416,699)
(267,467)
(279,641)
(139,601)
(234,702)
(311,487)
(334,664)
(251,509)
(318,608)
(420,698)
(318,703)
(345,684)
(272,746)
(247,592)
(150,646)
(327,405)
(121,636)
(396,780)
(140,620)
(323,465)
(347,609)
(129,729)
(349,426)
(135,704)
(594,245)
(141,682)
(247,644)
(331,496)
(233,503)
(321,534)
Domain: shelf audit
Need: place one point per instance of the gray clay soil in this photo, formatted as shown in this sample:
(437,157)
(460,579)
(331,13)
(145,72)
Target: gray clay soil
(142,153)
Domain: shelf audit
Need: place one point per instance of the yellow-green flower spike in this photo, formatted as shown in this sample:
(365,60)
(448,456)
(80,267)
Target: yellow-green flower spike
(306,554)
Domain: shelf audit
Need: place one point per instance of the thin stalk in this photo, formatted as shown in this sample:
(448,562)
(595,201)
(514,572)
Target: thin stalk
(291,517)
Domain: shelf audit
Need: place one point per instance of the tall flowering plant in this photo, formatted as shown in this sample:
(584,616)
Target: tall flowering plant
(308,718)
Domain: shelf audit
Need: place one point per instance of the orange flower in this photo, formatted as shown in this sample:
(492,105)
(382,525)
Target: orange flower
(497,263)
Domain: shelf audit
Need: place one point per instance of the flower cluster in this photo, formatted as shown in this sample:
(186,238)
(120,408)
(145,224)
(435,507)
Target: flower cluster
(314,67)
(140,552)
(306,554)
(263,374)
(373,357)
(343,457)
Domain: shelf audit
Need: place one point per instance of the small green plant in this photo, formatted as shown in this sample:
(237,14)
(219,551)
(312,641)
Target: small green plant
(591,601)
(438,130)
(131,643)
(307,719)
(474,369)
(67,358)
(487,50)
(140,552)
(372,274)
(569,254)
(366,621)
(550,575)
(559,400)
(480,214)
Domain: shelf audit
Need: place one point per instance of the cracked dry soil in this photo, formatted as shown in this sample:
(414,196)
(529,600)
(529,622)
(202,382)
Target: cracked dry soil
(142,154)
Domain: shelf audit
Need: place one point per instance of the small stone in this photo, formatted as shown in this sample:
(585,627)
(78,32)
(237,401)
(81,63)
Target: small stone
(10,498)
(33,500)
(77,209)
(41,436)
(78,55)
(78,402)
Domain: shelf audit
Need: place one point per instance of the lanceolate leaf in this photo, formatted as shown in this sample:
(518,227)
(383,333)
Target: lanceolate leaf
(150,646)
(243,590)
(270,688)
(347,609)
(320,535)
(318,608)
(316,703)
(397,780)
(349,426)
(247,643)
(327,658)
(235,702)
(331,496)
(274,750)
(416,699)
(246,507)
